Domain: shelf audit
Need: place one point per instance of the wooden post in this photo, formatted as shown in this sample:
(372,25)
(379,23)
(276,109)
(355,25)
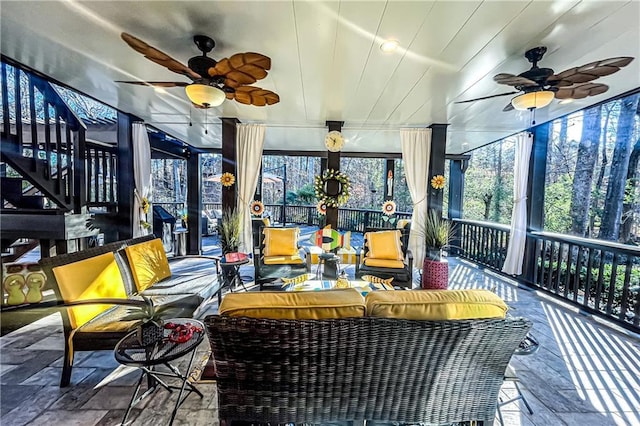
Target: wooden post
(126,185)
(457,167)
(436,165)
(535,196)
(229,194)
(194,202)
(333,162)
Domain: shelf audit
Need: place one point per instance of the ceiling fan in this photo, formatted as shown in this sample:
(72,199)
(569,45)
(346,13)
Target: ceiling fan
(540,85)
(211,81)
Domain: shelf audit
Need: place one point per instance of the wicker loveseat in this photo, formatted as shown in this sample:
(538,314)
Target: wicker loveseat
(370,367)
(114,271)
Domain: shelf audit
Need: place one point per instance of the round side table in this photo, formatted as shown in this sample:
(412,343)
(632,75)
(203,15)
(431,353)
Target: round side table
(130,352)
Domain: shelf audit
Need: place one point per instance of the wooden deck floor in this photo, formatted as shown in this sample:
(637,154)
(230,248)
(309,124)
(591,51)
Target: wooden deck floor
(584,374)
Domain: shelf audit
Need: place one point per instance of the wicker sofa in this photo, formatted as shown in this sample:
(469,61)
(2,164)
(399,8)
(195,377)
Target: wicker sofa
(113,272)
(274,368)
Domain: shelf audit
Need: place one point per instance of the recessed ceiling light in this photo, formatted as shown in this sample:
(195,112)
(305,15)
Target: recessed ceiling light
(566,101)
(389,46)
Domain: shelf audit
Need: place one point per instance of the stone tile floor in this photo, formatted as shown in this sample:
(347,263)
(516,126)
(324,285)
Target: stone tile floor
(585,373)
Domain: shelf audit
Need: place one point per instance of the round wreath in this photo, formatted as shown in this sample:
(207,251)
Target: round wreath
(320,187)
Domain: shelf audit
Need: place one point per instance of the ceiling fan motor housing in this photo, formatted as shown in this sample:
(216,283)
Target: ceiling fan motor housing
(201,64)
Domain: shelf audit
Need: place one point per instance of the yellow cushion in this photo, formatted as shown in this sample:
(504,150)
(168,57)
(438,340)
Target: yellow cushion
(384,245)
(327,304)
(282,260)
(148,263)
(94,278)
(281,241)
(383,263)
(347,256)
(435,304)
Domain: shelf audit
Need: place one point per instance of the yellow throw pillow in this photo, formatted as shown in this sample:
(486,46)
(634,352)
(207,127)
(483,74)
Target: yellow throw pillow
(326,304)
(148,263)
(93,278)
(384,245)
(281,241)
(435,304)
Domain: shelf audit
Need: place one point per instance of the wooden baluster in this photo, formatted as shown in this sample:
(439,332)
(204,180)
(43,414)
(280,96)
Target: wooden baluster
(576,278)
(59,151)
(612,283)
(69,168)
(33,122)
(587,285)
(6,122)
(624,306)
(18,102)
(47,140)
(600,280)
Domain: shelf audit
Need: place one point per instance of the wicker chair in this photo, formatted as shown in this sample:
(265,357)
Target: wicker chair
(317,371)
(403,277)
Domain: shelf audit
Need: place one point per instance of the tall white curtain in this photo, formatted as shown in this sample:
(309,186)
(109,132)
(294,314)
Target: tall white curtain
(416,147)
(250,139)
(515,251)
(141,176)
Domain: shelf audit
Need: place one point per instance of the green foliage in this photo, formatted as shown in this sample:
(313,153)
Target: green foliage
(557,205)
(306,194)
(229,231)
(436,232)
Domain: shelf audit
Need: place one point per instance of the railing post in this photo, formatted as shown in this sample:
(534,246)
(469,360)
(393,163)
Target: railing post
(79,182)
(535,197)
(436,164)
(229,129)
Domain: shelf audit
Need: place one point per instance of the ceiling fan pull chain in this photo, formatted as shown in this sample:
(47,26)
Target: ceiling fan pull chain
(206,125)
(533,117)
(190,121)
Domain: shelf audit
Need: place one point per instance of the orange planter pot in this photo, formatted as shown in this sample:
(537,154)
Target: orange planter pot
(435,274)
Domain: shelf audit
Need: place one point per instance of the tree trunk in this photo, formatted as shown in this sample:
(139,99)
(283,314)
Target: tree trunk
(583,176)
(498,185)
(610,227)
(630,201)
(603,167)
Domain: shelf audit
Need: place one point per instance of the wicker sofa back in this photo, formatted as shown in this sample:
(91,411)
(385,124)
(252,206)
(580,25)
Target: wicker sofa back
(316,371)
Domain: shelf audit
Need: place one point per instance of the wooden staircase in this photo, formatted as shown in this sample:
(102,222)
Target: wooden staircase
(49,173)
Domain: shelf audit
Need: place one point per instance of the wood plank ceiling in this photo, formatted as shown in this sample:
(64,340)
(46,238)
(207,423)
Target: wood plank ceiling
(327,63)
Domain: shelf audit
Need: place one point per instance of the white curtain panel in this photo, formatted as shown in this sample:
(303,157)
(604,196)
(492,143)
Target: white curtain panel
(141,176)
(249,140)
(515,251)
(416,147)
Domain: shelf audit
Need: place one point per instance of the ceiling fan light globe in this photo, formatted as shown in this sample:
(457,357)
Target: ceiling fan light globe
(204,95)
(532,100)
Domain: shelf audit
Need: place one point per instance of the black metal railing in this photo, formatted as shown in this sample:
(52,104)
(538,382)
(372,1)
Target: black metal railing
(356,220)
(601,277)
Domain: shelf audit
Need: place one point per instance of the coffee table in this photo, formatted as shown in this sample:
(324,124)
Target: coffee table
(318,285)
(130,352)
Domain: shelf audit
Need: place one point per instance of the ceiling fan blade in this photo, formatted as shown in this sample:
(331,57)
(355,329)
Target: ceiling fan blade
(252,95)
(581,91)
(513,80)
(159,57)
(242,68)
(156,83)
(591,71)
(508,107)
(486,97)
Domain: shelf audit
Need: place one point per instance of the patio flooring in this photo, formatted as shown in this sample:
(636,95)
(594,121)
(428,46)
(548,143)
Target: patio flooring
(585,373)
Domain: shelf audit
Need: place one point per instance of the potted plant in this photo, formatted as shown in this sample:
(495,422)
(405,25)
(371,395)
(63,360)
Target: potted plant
(436,234)
(150,326)
(229,231)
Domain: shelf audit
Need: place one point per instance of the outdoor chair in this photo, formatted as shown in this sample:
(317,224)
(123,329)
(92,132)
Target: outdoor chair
(386,255)
(277,253)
